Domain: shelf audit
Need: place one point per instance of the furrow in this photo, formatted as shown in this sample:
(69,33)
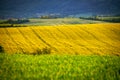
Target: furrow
(28,42)
(79,37)
(17,45)
(5,40)
(98,38)
(43,39)
(62,32)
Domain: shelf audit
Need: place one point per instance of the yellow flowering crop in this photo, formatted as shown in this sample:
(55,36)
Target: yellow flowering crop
(63,39)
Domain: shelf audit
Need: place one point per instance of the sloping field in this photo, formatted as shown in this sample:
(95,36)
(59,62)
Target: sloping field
(63,39)
(61,21)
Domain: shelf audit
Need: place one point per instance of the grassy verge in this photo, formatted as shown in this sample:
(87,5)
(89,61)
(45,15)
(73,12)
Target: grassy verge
(59,67)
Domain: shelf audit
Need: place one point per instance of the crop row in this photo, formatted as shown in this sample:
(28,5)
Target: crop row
(72,39)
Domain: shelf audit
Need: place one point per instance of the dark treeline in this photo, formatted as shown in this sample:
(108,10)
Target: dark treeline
(114,19)
(15,21)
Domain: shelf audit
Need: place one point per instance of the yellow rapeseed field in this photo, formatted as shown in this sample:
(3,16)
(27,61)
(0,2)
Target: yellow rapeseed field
(63,39)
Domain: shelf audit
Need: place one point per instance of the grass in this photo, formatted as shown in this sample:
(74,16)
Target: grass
(59,67)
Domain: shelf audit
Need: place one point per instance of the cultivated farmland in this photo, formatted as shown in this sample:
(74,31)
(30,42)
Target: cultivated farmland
(102,39)
(77,52)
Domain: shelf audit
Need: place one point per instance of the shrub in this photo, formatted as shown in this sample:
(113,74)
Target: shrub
(46,50)
(1,49)
(38,51)
(42,51)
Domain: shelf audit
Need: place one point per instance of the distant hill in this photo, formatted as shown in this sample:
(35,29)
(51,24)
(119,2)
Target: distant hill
(30,8)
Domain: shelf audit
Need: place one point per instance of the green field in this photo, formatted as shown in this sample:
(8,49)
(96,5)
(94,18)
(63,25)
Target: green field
(51,22)
(61,21)
(59,67)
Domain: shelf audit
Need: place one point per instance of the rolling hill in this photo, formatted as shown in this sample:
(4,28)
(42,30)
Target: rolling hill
(85,39)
